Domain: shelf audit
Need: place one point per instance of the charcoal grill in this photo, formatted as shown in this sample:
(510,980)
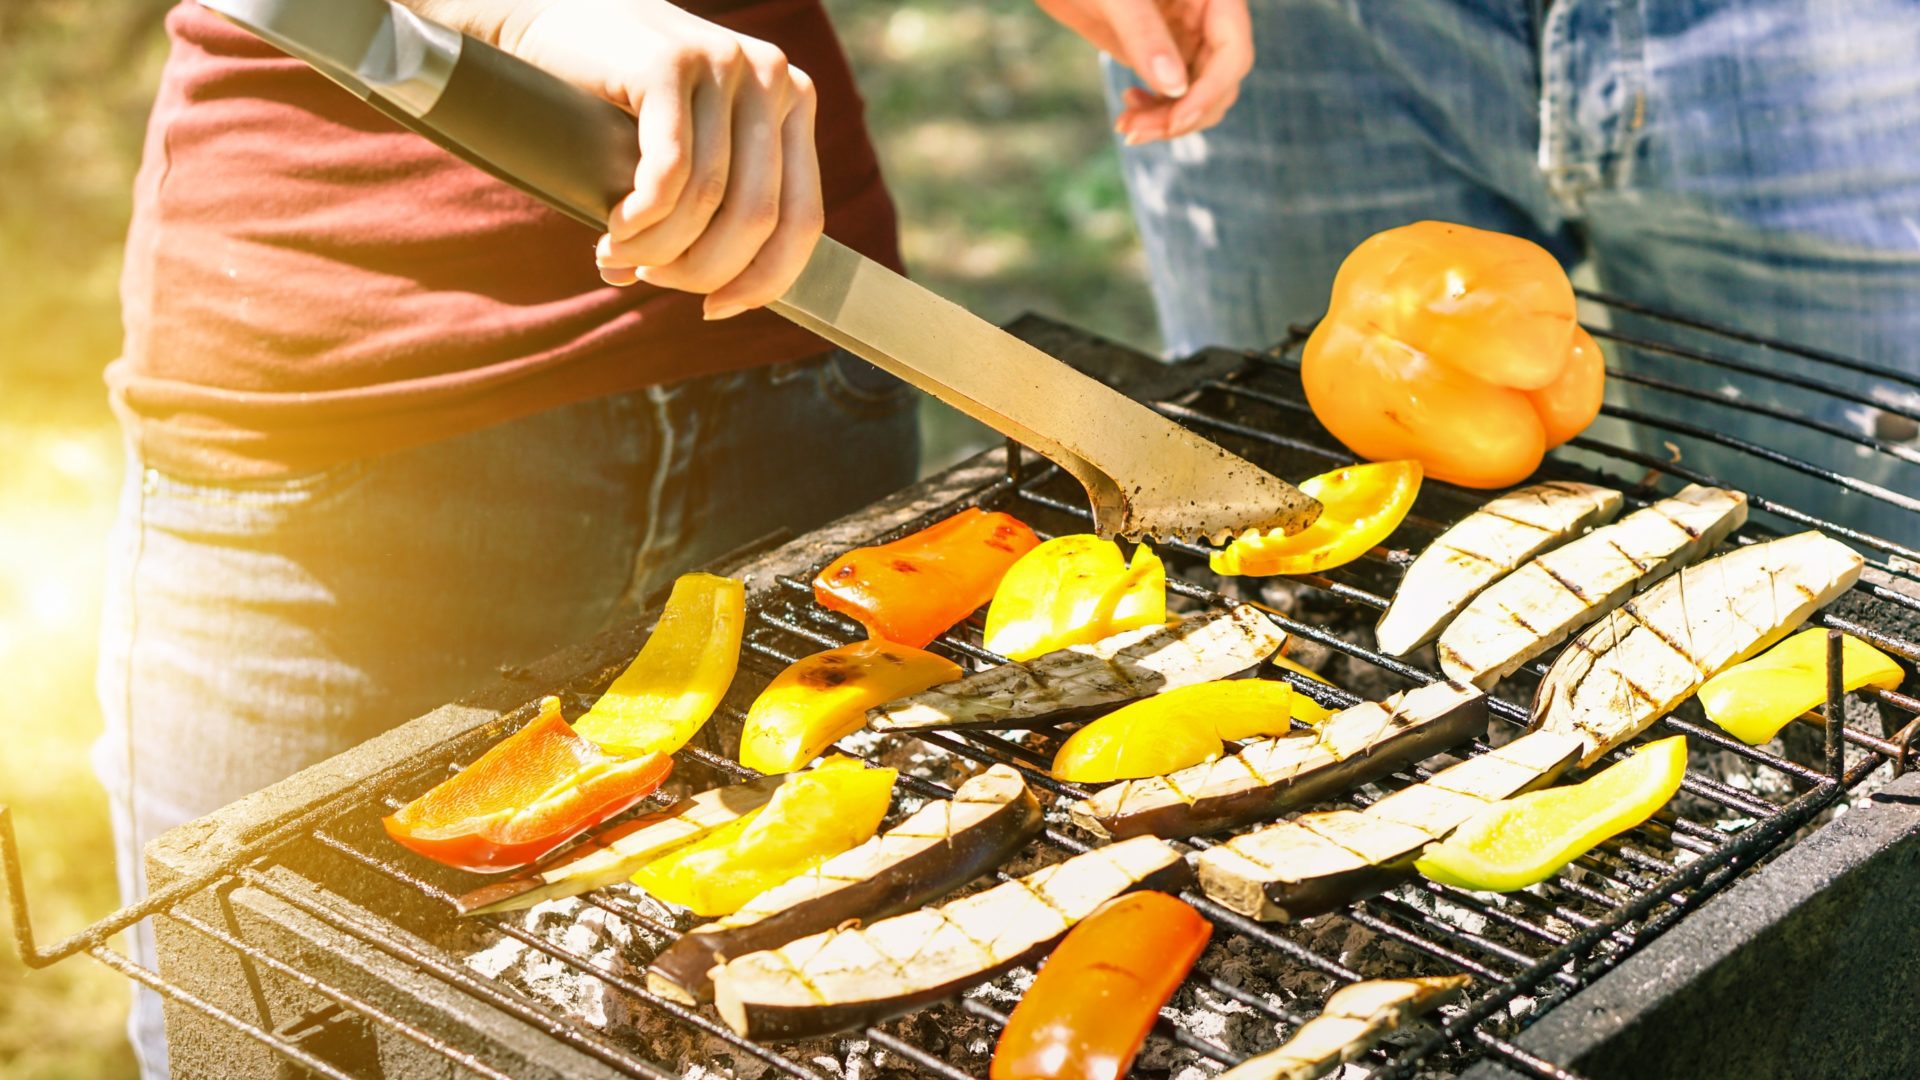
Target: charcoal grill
(294,937)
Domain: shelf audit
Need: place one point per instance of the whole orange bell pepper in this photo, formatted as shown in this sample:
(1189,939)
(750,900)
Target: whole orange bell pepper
(533,791)
(1456,347)
(917,587)
(1091,1006)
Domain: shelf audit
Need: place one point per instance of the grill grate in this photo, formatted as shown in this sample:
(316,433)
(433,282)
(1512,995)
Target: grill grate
(1527,952)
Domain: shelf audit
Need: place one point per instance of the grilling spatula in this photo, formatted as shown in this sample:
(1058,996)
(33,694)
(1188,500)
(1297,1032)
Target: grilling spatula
(1144,474)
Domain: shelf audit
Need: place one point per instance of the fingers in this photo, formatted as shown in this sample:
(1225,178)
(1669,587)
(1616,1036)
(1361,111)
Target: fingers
(750,209)
(1147,46)
(1227,58)
(802,216)
(700,196)
(666,156)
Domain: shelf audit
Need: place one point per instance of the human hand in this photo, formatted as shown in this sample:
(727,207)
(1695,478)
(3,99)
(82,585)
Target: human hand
(726,200)
(1192,53)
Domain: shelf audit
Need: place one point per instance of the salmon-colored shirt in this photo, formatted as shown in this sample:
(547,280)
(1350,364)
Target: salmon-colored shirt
(308,283)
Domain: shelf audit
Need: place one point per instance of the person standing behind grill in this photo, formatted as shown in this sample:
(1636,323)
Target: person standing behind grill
(389,426)
(1751,163)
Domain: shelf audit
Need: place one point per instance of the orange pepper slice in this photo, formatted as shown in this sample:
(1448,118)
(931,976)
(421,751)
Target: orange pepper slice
(917,587)
(531,792)
(1091,1006)
(1363,504)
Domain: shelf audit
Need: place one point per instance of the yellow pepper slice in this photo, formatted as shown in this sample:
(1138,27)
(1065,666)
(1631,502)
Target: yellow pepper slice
(821,698)
(1524,840)
(1305,709)
(681,674)
(1184,726)
(1073,590)
(1755,699)
(1362,505)
(814,816)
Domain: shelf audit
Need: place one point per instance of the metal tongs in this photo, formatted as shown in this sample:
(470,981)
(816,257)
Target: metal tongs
(1144,474)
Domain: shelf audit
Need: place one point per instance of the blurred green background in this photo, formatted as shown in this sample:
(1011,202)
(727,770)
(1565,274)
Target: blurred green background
(990,123)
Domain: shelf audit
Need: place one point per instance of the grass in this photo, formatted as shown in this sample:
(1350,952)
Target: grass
(992,132)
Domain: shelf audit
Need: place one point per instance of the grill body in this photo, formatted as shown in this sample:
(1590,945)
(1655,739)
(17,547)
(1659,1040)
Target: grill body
(302,939)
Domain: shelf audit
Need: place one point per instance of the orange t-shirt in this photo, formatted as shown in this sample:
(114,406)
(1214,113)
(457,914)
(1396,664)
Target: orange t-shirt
(307,283)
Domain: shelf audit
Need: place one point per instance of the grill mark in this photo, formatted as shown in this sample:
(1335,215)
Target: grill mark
(800,977)
(1567,584)
(1474,555)
(1642,568)
(1692,533)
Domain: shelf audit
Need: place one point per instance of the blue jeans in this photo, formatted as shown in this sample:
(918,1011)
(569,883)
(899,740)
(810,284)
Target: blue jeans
(253,629)
(1754,163)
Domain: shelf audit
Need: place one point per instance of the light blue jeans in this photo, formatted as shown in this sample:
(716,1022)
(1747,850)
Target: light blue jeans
(253,629)
(1754,163)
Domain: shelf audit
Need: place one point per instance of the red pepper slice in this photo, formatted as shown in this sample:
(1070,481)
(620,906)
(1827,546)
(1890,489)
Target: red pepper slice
(1090,1007)
(530,793)
(913,589)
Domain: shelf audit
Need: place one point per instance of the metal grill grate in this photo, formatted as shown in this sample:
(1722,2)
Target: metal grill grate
(1527,952)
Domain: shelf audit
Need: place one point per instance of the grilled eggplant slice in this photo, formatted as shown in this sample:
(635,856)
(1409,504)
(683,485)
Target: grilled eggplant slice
(1534,608)
(612,855)
(1640,662)
(1083,681)
(940,847)
(1271,776)
(1357,1016)
(1482,548)
(1316,863)
(849,977)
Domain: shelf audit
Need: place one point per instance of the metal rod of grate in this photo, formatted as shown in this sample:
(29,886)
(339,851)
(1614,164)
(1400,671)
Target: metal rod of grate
(1553,941)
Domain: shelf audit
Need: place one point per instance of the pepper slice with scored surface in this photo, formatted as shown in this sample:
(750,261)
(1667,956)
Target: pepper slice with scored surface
(1271,776)
(849,977)
(1091,1006)
(938,848)
(531,792)
(914,589)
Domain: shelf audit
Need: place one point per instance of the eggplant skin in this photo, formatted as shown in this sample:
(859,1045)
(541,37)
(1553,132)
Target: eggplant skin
(756,1021)
(1206,815)
(907,884)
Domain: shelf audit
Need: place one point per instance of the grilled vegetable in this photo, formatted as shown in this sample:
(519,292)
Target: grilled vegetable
(1363,504)
(531,792)
(1525,840)
(1086,680)
(1181,727)
(844,978)
(1305,709)
(914,589)
(1091,1006)
(937,849)
(1640,662)
(823,698)
(1753,700)
(1534,608)
(1271,776)
(1356,1017)
(1455,346)
(1074,590)
(1482,548)
(1318,862)
(613,854)
(814,816)
(681,674)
